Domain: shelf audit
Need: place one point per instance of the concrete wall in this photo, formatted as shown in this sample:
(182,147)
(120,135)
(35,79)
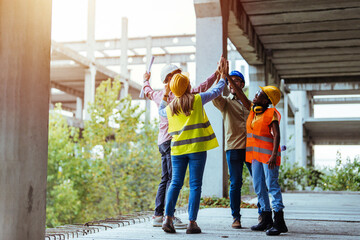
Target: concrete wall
(24,108)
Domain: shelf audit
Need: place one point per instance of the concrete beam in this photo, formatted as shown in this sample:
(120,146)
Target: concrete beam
(317,59)
(334,100)
(332,87)
(25,41)
(67,89)
(333,130)
(315,44)
(273,7)
(138,42)
(310,37)
(302,17)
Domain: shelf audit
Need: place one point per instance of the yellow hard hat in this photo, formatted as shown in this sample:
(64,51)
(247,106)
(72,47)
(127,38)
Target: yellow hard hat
(273,94)
(179,83)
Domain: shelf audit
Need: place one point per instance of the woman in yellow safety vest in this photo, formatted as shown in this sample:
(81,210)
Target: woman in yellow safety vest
(192,136)
(263,151)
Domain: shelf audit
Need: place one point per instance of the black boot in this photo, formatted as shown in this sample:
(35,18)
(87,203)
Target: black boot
(279,224)
(265,223)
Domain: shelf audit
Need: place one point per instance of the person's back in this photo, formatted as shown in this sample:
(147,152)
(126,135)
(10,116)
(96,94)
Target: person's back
(192,137)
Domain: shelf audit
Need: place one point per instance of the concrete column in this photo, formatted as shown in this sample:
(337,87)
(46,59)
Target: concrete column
(209,35)
(25,28)
(89,95)
(148,58)
(91,30)
(90,73)
(79,108)
(257,78)
(283,109)
(300,100)
(124,57)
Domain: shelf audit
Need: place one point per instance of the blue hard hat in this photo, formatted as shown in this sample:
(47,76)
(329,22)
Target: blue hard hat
(237,74)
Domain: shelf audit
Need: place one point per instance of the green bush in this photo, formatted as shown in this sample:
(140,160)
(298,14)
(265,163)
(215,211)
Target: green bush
(345,176)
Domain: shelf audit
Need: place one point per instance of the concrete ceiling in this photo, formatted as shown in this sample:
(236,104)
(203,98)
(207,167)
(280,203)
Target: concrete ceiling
(298,40)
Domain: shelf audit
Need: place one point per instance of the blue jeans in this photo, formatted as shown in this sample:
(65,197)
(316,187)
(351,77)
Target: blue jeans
(196,163)
(166,174)
(235,160)
(266,181)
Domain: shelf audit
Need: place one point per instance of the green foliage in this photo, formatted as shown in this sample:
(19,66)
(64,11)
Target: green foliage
(215,202)
(113,169)
(344,176)
(293,177)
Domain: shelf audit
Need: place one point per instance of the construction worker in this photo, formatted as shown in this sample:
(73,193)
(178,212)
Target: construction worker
(235,110)
(164,138)
(263,152)
(193,136)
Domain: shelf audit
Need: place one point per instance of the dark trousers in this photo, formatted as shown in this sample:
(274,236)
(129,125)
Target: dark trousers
(166,174)
(236,160)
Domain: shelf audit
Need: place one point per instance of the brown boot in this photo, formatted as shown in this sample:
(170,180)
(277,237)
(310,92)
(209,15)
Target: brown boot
(193,228)
(168,225)
(236,223)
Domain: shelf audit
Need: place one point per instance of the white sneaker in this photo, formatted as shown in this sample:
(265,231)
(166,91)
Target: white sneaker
(178,223)
(157,221)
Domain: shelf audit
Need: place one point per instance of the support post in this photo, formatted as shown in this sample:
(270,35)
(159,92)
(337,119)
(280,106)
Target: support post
(210,35)
(89,95)
(148,58)
(25,29)
(90,73)
(124,57)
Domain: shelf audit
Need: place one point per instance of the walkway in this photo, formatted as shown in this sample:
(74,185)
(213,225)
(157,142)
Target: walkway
(308,216)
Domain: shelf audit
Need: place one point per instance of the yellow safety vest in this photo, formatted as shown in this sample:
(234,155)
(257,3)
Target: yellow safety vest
(193,133)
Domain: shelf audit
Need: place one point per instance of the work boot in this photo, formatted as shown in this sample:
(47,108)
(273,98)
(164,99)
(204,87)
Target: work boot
(192,228)
(265,223)
(279,225)
(168,225)
(236,223)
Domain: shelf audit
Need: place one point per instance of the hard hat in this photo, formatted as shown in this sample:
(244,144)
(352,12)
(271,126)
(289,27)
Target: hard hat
(169,68)
(238,74)
(178,84)
(273,94)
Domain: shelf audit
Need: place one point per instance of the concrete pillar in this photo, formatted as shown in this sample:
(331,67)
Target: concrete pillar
(90,73)
(300,100)
(25,28)
(148,59)
(124,57)
(89,95)
(79,108)
(209,35)
(257,78)
(283,109)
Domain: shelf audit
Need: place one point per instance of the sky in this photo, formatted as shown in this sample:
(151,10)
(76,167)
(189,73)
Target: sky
(156,18)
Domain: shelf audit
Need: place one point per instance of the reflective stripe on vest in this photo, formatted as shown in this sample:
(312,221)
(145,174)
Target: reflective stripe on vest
(193,140)
(261,150)
(191,127)
(265,139)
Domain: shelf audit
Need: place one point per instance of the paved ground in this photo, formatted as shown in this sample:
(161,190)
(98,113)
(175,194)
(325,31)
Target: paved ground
(308,216)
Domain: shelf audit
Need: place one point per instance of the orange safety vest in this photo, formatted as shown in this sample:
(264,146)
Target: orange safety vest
(259,141)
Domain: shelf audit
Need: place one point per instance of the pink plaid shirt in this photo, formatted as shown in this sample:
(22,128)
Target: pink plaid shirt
(157,97)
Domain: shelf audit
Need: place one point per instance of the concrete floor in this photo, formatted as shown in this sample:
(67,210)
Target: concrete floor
(308,216)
